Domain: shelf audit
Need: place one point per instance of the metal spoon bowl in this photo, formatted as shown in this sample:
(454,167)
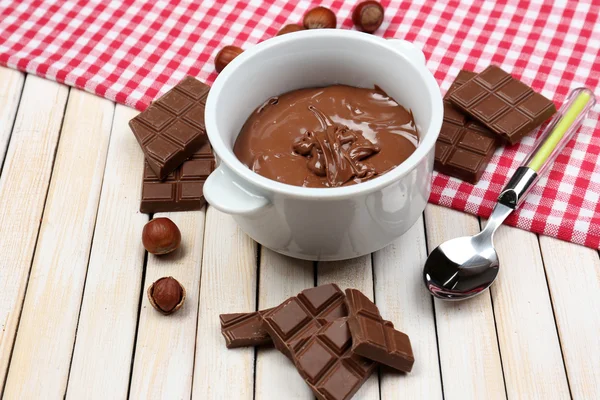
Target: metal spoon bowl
(464,267)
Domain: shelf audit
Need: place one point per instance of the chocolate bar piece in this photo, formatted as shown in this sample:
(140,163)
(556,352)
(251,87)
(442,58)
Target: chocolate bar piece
(297,319)
(328,365)
(183,188)
(172,128)
(464,147)
(505,105)
(373,338)
(244,329)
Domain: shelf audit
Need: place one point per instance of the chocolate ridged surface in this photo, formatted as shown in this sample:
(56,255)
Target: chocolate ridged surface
(375,338)
(328,365)
(244,329)
(327,137)
(464,147)
(172,128)
(183,189)
(503,104)
(298,318)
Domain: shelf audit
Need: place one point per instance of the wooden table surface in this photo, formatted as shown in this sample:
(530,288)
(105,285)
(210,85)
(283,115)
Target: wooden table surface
(75,320)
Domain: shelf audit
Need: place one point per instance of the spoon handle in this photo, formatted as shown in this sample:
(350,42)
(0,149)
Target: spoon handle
(552,141)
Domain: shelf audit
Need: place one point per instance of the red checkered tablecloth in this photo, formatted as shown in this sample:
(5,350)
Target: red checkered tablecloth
(132,51)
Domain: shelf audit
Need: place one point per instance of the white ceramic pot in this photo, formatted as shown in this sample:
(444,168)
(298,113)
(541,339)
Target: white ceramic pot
(322,223)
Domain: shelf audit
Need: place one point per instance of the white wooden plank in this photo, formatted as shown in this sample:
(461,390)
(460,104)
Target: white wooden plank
(105,335)
(574,279)
(531,356)
(356,273)
(44,343)
(11,85)
(402,299)
(468,346)
(228,284)
(23,187)
(164,357)
(280,278)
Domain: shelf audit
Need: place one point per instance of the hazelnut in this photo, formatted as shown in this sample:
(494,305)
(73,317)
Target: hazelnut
(289,29)
(319,17)
(161,236)
(166,295)
(225,56)
(368,16)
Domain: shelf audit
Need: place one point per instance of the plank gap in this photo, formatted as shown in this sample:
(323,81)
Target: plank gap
(523,308)
(12,127)
(437,342)
(282,277)
(91,247)
(163,360)
(560,339)
(374,275)
(498,342)
(354,273)
(481,226)
(258,257)
(37,236)
(573,276)
(53,291)
(110,292)
(402,299)
(139,313)
(198,302)
(437,339)
(463,322)
(229,266)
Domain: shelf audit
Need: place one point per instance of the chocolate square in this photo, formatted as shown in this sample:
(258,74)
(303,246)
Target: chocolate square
(182,190)
(172,128)
(493,98)
(462,137)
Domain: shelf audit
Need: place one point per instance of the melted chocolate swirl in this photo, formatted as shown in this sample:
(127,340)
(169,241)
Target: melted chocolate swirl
(335,152)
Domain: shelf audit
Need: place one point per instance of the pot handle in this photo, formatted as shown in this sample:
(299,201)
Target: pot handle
(224,191)
(412,51)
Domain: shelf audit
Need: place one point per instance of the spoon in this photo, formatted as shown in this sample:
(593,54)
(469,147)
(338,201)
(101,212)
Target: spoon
(464,267)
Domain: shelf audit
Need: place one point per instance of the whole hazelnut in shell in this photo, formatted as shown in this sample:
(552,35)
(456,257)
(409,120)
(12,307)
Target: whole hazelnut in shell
(319,18)
(161,236)
(289,29)
(368,16)
(225,56)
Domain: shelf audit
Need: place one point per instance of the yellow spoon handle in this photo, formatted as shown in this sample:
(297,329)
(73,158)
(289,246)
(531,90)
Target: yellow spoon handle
(552,141)
(562,128)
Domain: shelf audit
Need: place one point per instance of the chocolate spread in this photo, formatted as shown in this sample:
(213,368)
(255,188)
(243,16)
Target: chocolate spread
(327,137)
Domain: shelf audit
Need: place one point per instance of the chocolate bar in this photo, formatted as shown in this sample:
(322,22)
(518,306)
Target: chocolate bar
(464,147)
(373,338)
(244,329)
(183,188)
(297,319)
(505,105)
(172,128)
(328,365)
